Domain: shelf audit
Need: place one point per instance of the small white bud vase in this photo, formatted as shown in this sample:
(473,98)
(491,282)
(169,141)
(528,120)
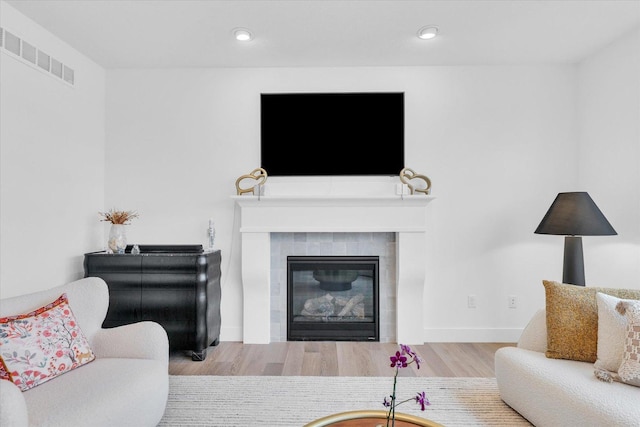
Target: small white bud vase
(117,238)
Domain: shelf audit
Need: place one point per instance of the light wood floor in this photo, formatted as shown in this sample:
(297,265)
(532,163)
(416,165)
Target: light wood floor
(320,358)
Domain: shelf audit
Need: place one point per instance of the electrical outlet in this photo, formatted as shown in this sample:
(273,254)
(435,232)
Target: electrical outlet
(513,301)
(471,301)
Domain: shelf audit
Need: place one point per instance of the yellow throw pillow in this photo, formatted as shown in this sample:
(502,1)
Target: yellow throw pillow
(572,319)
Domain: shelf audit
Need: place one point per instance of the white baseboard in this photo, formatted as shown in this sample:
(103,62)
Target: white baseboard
(504,335)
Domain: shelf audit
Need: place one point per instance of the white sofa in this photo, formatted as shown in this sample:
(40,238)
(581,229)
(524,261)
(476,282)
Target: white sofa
(126,385)
(557,392)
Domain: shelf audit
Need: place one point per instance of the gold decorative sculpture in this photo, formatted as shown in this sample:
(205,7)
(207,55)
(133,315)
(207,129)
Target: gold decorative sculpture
(407,175)
(258,174)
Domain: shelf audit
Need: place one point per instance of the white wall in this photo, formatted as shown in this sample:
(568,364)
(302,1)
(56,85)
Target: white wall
(498,143)
(609,117)
(52,163)
(494,140)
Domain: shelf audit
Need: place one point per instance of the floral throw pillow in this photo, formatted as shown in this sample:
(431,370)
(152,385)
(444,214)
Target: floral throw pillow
(38,346)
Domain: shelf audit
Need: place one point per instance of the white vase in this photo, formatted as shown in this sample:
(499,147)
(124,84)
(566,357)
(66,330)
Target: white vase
(117,238)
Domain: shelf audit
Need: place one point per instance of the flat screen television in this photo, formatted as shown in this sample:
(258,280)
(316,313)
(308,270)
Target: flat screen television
(316,134)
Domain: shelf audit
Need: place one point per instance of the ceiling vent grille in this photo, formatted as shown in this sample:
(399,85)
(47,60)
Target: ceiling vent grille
(30,55)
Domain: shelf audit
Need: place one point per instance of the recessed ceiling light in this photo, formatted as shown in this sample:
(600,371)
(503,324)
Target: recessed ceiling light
(428,32)
(242,34)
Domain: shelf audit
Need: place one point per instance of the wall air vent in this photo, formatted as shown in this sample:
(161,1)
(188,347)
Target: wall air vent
(12,43)
(67,74)
(28,52)
(44,61)
(30,55)
(56,67)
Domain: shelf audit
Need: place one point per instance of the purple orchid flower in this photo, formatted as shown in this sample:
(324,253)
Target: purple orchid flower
(398,360)
(386,403)
(418,360)
(401,360)
(422,400)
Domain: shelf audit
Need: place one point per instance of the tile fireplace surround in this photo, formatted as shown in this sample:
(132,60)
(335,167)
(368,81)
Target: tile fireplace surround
(406,216)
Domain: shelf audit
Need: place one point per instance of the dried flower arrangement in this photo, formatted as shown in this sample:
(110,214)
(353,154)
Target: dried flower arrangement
(402,359)
(118,217)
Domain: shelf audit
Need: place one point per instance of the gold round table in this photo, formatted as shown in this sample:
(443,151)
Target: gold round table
(372,418)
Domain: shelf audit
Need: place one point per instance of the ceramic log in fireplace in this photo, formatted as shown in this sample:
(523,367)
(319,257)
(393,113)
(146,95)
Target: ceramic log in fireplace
(333,298)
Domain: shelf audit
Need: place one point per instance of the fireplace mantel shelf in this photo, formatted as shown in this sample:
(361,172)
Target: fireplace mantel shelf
(343,200)
(334,213)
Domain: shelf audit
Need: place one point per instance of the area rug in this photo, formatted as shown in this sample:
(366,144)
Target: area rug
(243,401)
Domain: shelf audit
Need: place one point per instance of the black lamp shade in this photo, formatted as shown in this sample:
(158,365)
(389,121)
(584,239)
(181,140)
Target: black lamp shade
(575,214)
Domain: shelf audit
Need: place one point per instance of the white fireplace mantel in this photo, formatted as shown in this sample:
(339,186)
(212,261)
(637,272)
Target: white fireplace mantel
(262,215)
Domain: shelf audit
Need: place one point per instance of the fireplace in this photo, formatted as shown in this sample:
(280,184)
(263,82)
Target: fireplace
(263,216)
(333,298)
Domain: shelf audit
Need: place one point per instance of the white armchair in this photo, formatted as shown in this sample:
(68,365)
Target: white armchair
(126,385)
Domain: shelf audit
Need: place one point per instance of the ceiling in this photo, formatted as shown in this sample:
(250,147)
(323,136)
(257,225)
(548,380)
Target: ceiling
(302,33)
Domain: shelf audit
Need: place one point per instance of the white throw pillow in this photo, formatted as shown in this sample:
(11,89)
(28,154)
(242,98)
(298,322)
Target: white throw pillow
(534,335)
(612,327)
(629,370)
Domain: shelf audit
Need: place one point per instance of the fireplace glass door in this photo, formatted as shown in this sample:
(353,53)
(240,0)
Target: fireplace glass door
(332,298)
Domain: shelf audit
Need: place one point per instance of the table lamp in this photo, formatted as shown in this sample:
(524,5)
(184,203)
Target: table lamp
(574,215)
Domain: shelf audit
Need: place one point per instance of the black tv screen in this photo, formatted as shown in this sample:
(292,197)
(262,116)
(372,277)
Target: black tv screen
(311,134)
